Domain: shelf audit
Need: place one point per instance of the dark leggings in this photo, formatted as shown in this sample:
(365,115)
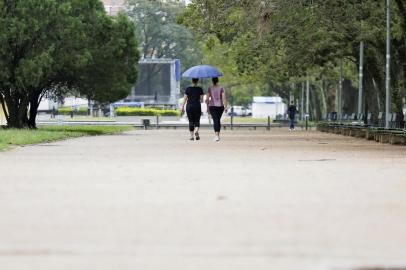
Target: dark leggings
(216,113)
(193,114)
(292,122)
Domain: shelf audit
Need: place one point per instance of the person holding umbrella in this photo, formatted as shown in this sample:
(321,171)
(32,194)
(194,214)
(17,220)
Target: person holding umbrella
(194,95)
(216,102)
(193,98)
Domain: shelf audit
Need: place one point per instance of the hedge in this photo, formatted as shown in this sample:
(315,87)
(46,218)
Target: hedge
(127,111)
(68,111)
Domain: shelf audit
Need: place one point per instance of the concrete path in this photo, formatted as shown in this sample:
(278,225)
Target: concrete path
(154,200)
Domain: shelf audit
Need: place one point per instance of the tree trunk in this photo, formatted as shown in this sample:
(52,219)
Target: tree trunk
(374,84)
(33,115)
(16,117)
(399,46)
(323,97)
(17,108)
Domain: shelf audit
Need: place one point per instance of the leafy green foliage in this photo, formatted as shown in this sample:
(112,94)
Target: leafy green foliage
(68,111)
(127,111)
(279,44)
(160,34)
(111,71)
(51,47)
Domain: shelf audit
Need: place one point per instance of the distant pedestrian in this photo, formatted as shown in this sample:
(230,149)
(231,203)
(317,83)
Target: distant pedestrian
(216,104)
(292,111)
(193,98)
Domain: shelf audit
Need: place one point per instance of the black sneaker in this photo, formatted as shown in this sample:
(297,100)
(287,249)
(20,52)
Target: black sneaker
(192,139)
(197,136)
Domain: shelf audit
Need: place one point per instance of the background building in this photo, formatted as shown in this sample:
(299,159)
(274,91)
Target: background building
(263,107)
(113,6)
(158,83)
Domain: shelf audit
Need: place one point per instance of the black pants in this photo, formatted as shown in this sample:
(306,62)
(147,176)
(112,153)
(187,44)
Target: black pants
(216,113)
(292,122)
(193,114)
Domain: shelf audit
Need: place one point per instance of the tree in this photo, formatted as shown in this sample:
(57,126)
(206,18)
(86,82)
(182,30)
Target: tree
(111,71)
(160,35)
(278,42)
(49,47)
(223,27)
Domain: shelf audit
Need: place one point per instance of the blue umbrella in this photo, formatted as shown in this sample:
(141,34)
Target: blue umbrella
(202,71)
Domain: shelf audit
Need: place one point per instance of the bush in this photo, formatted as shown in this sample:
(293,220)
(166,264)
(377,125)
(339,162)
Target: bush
(127,111)
(68,111)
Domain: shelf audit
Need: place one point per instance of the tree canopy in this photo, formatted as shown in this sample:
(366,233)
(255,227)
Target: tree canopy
(160,34)
(50,47)
(279,43)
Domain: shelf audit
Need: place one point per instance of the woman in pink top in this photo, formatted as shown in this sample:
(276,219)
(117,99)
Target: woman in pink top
(216,102)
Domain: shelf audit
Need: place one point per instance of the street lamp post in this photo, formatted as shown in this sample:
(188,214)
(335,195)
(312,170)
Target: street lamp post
(361,76)
(307,102)
(302,102)
(307,96)
(340,91)
(388,57)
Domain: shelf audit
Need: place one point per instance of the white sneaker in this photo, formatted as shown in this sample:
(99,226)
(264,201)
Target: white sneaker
(216,139)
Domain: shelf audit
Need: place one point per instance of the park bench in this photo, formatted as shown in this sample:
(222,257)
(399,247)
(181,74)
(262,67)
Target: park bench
(347,126)
(379,134)
(398,137)
(353,117)
(369,119)
(330,127)
(392,136)
(381,119)
(344,119)
(358,131)
(345,130)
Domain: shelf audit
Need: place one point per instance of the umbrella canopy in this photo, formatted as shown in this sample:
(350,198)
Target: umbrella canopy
(201,72)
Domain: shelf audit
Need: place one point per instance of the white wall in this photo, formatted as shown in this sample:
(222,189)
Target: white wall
(77,102)
(263,110)
(47,104)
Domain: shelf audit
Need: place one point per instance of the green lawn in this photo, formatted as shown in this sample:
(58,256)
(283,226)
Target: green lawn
(246,120)
(250,120)
(12,137)
(79,118)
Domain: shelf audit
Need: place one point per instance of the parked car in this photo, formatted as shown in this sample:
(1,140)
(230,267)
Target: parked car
(239,111)
(248,112)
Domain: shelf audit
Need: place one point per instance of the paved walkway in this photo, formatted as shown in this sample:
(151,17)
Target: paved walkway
(153,200)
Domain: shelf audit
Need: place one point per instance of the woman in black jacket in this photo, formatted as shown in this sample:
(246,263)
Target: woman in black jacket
(193,99)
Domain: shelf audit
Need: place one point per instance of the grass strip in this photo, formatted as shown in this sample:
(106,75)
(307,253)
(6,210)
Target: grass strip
(250,120)
(246,120)
(13,137)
